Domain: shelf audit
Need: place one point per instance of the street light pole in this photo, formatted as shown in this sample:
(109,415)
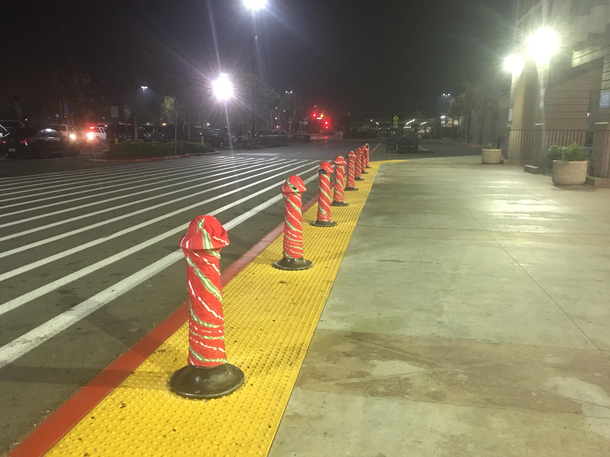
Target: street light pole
(254,6)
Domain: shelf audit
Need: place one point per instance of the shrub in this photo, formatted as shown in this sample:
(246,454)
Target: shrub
(574,153)
(571,153)
(142,150)
(555,152)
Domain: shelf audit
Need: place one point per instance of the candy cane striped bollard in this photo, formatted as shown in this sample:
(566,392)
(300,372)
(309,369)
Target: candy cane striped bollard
(363,160)
(367,152)
(351,171)
(293,227)
(207,375)
(324,218)
(358,164)
(339,196)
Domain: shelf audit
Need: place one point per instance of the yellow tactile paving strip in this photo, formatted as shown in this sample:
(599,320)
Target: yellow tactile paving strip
(271,316)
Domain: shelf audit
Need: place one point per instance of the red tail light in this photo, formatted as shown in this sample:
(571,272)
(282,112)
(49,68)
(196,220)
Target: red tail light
(2,141)
(26,141)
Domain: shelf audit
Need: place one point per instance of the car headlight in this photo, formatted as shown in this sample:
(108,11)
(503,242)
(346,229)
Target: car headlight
(72,136)
(90,135)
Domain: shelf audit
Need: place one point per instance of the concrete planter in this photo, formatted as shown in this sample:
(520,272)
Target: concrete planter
(569,173)
(491,156)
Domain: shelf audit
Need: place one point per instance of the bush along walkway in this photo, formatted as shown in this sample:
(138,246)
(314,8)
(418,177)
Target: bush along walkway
(139,150)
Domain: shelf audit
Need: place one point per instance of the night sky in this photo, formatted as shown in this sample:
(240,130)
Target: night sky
(369,57)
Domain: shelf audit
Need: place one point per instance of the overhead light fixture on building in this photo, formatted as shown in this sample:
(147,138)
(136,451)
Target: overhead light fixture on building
(542,45)
(514,64)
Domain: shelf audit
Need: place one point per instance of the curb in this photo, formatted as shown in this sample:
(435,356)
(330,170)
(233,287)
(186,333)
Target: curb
(156,159)
(52,429)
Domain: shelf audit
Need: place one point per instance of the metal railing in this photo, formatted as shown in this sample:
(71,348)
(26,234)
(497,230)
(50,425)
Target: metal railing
(533,145)
(520,144)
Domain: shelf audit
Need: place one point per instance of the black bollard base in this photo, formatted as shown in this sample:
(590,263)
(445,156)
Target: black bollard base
(293,264)
(201,383)
(324,223)
(368,166)
(359,179)
(351,189)
(339,204)
(364,172)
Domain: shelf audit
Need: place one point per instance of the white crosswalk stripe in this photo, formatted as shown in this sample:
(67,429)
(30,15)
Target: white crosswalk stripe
(51,221)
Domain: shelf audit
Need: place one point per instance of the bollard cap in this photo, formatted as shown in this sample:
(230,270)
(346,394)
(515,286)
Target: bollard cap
(351,154)
(294,185)
(325,168)
(205,233)
(340,161)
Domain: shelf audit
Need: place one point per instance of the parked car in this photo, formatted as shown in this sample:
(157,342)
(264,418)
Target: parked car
(7,125)
(151,133)
(123,132)
(40,142)
(96,133)
(65,130)
(272,138)
(215,137)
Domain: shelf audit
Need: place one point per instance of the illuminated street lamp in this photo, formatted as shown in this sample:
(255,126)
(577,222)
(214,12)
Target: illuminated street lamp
(542,45)
(255,5)
(143,88)
(514,64)
(223,88)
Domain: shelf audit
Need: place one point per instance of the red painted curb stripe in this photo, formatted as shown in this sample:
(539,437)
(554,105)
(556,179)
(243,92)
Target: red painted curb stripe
(53,428)
(156,159)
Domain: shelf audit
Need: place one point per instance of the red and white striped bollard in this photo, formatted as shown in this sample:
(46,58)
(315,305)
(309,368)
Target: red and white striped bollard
(359,165)
(367,152)
(351,172)
(363,160)
(207,375)
(339,195)
(293,227)
(324,218)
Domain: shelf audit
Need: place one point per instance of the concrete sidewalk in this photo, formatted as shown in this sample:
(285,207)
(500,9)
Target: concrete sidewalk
(470,317)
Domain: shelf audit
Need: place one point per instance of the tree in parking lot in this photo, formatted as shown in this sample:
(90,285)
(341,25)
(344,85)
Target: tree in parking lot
(77,96)
(292,104)
(270,104)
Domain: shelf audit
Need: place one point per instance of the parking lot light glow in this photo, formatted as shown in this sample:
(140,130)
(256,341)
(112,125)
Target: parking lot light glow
(223,87)
(255,5)
(542,45)
(514,64)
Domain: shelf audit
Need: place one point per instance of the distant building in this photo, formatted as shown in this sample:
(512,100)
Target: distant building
(563,98)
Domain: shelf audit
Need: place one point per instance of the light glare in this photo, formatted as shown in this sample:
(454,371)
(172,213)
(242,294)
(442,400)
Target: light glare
(223,87)
(543,45)
(514,64)
(255,5)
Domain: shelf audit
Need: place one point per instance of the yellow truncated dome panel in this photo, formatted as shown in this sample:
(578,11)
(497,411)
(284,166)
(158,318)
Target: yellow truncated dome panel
(270,319)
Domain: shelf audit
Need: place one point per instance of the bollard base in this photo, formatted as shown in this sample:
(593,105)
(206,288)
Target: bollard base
(351,189)
(201,383)
(364,172)
(339,204)
(324,223)
(293,264)
(359,179)
(368,166)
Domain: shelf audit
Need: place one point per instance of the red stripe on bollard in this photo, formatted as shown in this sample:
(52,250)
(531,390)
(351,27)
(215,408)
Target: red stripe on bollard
(324,218)
(207,375)
(351,171)
(339,196)
(293,227)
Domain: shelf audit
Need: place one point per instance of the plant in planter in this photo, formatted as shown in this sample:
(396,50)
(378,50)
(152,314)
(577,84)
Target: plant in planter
(491,155)
(571,168)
